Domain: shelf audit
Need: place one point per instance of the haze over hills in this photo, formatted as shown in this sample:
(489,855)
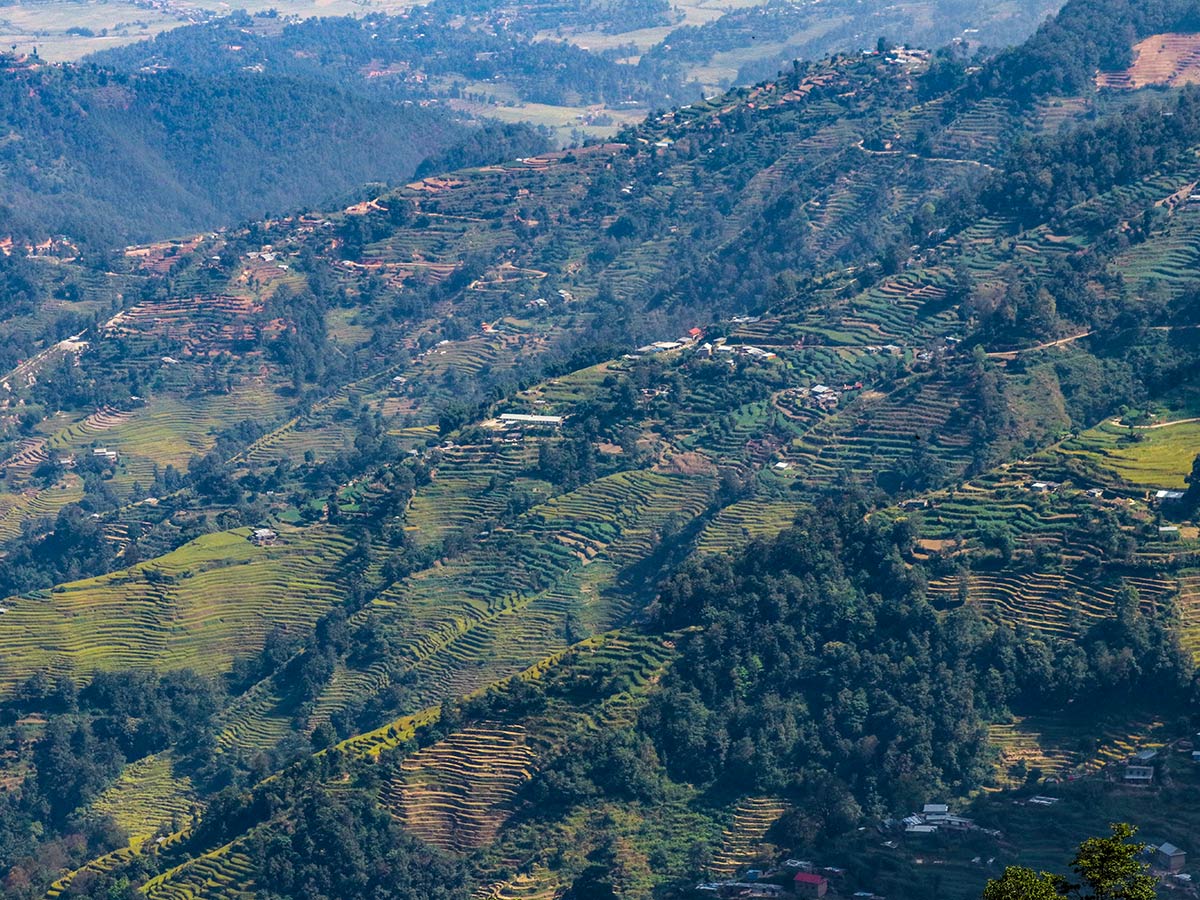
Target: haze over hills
(617,519)
(241,116)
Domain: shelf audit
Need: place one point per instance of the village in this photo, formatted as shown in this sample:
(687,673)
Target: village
(940,838)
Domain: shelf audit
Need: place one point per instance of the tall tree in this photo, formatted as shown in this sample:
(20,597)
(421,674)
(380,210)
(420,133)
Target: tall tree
(1108,868)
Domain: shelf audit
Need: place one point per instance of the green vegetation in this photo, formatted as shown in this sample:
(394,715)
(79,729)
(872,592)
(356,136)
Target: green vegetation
(1106,867)
(615,519)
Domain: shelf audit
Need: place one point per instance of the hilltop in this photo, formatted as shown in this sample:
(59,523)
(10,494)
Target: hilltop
(628,516)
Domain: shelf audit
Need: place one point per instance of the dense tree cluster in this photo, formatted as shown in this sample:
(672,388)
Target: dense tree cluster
(1107,868)
(336,847)
(820,670)
(109,157)
(89,736)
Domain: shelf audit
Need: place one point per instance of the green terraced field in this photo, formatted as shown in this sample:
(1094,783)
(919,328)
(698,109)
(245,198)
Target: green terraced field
(1157,457)
(197,607)
(744,521)
(31,505)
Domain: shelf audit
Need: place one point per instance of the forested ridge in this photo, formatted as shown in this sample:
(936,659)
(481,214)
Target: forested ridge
(106,157)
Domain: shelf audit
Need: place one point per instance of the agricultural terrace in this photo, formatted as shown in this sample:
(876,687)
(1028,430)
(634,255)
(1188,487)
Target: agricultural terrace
(165,430)
(147,798)
(36,504)
(1168,59)
(519,594)
(497,609)
(1149,457)
(198,607)
(1053,745)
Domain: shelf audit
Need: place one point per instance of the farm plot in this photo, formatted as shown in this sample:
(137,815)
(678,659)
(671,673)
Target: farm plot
(1171,58)
(1160,456)
(1057,603)
(743,841)
(456,793)
(146,798)
(744,521)
(523,595)
(197,607)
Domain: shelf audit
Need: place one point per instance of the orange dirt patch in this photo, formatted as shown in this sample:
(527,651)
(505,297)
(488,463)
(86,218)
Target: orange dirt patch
(688,464)
(1171,59)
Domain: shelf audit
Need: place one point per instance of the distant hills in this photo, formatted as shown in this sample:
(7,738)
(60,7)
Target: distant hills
(108,157)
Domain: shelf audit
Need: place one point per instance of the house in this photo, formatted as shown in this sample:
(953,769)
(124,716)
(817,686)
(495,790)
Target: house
(935,809)
(1145,756)
(263,537)
(807,884)
(957,823)
(1169,857)
(1164,496)
(523,419)
(920,829)
(1139,776)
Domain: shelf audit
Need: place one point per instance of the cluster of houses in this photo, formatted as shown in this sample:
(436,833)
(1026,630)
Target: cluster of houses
(732,350)
(822,397)
(109,456)
(792,878)
(1139,770)
(935,817)
(708,349)
(688,340)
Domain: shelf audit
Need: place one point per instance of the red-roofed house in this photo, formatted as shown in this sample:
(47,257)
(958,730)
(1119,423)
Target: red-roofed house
(809,885)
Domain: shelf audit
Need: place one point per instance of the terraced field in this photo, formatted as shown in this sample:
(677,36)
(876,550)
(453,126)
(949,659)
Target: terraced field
(744,521)
(1057,603)
(167,430)
(224,874)
(146,799)
(198,607)
(1065,749)
(1156,457)
(457,793)
(36,504)
(519,595)
(539,884)
(742,844)
(1171,58)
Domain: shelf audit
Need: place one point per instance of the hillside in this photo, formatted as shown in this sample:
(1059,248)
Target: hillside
(626,517)
(105,158)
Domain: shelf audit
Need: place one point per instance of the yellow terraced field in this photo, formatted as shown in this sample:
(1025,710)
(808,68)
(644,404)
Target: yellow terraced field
(743,840)
(147,798)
